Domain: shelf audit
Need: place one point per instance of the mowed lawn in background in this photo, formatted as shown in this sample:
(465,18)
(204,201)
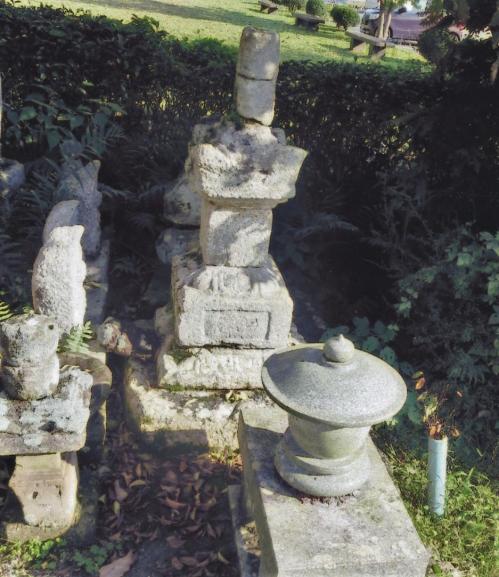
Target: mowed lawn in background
(224,19)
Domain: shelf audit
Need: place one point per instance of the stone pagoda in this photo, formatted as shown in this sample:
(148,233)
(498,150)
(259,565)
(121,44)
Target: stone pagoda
(44,411)
(231,307)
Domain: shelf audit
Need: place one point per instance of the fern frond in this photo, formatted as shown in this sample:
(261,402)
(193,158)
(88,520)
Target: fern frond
(77,340)
(5,311)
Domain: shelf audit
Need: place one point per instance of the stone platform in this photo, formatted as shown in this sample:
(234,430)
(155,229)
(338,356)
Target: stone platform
(366,534)
(183,419)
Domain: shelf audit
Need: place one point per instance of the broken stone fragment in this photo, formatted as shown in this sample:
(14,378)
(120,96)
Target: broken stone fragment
(182,205)
(256,75)
(224,306)
(255,99)
(258,56)
(232,237)
(28,339)
(80,182)
(30,368)
(58,275)
(113,338)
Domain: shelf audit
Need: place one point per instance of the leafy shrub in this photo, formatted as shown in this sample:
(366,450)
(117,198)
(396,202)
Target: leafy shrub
(294,5)
(435,43)
(315,7)
(344,16)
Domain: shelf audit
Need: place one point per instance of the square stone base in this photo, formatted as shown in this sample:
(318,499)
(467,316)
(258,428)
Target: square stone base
(247,307)
(183,419)
(80,530)
(367,534)
(212,368)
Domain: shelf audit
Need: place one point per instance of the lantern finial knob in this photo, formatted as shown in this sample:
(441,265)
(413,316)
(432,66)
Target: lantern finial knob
(338,350)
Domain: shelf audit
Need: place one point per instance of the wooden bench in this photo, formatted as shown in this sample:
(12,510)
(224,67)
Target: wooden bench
(268,6)
(308,20)
(377,46)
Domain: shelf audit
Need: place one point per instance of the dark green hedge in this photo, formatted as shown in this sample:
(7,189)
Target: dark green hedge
(403,158)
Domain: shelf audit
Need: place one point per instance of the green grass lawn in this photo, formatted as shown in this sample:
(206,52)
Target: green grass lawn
(224,19)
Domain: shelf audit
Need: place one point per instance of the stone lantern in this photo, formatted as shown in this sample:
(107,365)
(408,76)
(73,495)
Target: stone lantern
(319,445)
(333,394)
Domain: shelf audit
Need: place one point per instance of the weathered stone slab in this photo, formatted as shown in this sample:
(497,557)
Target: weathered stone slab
(249,307)
(174,242)
(50,425)
(246,168)
(209,367)
(46,487)
(368,533)
(183,420)
(58,275)
(235,238)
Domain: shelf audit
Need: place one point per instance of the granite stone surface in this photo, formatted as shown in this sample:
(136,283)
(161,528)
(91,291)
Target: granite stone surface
(209,367)
(243,168)
(183,419)
(223,306)
(58,275)
(366,534)
(259,52)
(233,237)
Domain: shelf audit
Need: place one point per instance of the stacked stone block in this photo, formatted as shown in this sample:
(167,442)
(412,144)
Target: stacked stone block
(43,417)
(231,308)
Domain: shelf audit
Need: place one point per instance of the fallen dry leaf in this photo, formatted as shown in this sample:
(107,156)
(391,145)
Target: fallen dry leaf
(119,567)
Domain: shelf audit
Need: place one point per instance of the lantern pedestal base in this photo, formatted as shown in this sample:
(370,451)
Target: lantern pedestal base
(320,477)
(280,531)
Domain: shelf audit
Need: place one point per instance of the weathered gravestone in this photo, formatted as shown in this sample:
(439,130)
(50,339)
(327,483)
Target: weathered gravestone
(230,305)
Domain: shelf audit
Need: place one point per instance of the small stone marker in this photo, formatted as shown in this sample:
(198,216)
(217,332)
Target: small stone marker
(43,419)
(30,366)
(58,275)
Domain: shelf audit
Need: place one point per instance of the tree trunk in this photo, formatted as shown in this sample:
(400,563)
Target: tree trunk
(388,21)
(381,24)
